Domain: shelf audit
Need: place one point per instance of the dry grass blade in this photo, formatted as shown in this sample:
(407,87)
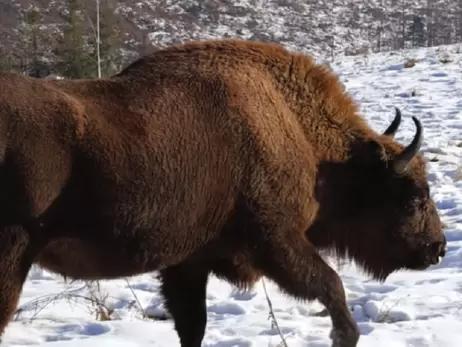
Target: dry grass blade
(40,303)
(143,312)
(101,311)
(274,321)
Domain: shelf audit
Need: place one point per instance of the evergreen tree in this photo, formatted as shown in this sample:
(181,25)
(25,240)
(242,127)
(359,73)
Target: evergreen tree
(32,21)
(5,61)
(109,40)
(417,32)
(76,62)
(34,41)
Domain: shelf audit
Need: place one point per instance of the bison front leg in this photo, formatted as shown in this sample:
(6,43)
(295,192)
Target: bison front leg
(184,289)
(296,267)
(16,254)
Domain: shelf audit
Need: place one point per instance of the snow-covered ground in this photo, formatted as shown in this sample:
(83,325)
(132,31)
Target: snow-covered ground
(412,309)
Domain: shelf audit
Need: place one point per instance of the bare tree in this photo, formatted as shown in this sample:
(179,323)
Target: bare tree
(98,39)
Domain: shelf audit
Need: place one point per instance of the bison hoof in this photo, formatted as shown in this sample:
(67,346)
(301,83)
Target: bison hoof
(345,338)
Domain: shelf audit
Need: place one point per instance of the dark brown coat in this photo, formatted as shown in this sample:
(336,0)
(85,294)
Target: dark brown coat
(235,158)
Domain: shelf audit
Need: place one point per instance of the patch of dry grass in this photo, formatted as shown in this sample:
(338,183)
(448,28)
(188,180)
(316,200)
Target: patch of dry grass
(445,59)
(386,316)
(95,300)
(410,62)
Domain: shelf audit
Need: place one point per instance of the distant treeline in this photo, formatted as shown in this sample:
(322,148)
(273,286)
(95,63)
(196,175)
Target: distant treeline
(68,48)
(75,55)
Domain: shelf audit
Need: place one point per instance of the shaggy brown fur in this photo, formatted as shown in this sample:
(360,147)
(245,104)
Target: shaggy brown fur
(235,158)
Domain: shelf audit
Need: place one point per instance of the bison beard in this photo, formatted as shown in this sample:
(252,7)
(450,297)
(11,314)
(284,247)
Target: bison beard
(233,158)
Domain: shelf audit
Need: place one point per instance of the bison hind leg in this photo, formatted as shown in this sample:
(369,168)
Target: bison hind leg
(184,290)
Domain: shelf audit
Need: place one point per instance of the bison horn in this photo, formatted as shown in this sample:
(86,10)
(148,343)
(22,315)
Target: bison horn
(402,160)
(393,127)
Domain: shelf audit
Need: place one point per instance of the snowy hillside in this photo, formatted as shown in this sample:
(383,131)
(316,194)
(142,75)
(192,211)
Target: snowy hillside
(411,309)
(325,28)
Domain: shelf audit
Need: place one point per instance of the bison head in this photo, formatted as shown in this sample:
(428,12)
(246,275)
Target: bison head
(376,207)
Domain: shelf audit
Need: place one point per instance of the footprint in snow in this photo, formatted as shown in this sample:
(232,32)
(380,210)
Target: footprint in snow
(445,204)
(235,342)
(66,332)
(243,295)
(454,211)
(380,312)
(226,308)
(431,281)
(439,74)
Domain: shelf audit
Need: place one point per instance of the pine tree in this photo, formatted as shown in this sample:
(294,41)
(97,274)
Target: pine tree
(34,41)
(76,61)
(417,32)
(109,40)
(5,61)
(32,20)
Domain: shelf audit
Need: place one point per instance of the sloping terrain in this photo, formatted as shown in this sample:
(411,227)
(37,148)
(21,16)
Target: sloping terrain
(411,309)
(325,28)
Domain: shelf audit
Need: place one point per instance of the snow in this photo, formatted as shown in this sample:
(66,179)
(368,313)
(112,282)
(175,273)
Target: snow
(411,309)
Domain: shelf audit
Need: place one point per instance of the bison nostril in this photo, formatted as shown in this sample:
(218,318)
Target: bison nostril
(443,251)
(439,248)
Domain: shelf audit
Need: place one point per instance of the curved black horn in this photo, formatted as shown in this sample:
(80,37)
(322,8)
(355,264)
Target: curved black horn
(393,127)
(402,160)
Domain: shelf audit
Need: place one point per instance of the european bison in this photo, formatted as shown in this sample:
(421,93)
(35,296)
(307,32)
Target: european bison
(229,157)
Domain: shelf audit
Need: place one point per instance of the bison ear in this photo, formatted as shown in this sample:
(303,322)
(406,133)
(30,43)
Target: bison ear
(375,151)
(369,152)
